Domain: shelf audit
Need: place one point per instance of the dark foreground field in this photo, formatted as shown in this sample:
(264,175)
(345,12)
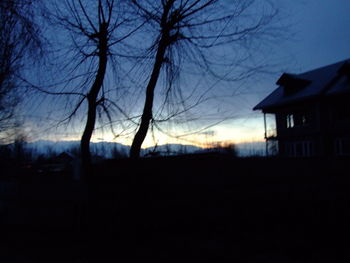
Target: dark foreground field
(205,209)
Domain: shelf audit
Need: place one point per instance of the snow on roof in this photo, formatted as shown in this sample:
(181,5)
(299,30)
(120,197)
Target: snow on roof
(320,81)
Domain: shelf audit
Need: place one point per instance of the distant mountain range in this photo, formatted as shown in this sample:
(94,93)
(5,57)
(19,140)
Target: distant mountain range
(115,150)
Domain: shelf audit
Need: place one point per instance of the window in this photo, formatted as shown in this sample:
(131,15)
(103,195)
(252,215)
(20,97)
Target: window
(289,149)
(307,148)
(342,147)
(300,119)
(297,119)
(290,121)
(299,149)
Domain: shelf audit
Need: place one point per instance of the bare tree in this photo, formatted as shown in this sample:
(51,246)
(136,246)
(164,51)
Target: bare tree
(94,30)
(19,41)
(208,37)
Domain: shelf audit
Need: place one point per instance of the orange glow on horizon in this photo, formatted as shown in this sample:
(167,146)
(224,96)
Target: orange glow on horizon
(231,133)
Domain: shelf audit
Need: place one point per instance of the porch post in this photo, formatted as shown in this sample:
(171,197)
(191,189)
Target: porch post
(265,135)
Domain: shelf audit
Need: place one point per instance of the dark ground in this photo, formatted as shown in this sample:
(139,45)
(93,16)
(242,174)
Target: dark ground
(207,208)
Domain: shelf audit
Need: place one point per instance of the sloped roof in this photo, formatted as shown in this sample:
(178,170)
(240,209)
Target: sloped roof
(325,80)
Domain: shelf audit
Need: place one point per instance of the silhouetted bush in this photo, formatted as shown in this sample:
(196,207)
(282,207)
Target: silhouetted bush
(223,148)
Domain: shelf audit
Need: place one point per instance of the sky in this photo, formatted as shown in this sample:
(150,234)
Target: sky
(318,35)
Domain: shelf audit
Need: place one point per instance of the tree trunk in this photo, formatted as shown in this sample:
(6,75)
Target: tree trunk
(85,139)
(147,110)
(92,105)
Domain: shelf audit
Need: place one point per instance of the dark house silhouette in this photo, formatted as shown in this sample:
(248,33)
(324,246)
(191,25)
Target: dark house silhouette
(312,112)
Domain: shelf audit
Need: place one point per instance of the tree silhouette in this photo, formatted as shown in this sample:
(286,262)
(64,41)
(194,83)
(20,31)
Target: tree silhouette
(94,30)
(191,32)
(20,40)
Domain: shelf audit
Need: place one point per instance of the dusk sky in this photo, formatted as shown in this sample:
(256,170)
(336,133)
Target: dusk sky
(318,34)
(321,36)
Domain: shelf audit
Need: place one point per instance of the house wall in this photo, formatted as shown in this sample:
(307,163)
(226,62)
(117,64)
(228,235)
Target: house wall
(325,132)
(338,108)
(310,126)
(298,129)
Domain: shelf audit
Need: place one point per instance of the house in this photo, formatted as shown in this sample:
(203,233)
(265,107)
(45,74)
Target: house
(311,113)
